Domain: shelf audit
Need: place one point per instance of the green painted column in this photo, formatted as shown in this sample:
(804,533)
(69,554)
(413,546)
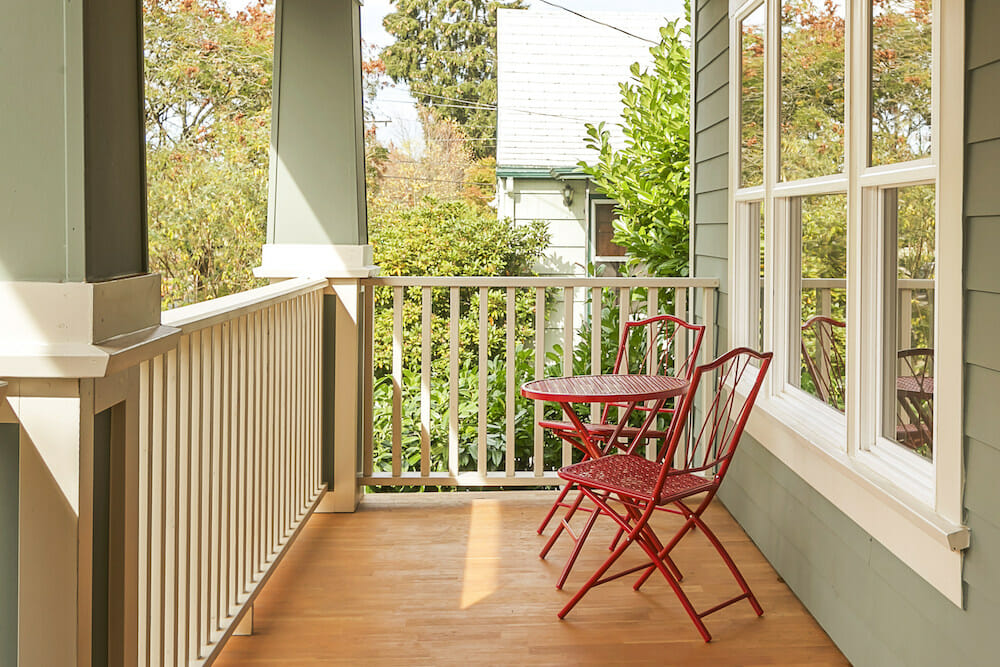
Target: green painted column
(316,213)
(317,221)
(72,181)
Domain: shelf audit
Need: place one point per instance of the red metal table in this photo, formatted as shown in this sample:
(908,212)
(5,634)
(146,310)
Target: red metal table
(629,389)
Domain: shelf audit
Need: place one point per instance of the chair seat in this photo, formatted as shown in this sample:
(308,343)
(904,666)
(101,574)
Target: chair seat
(634,476)
(601,429)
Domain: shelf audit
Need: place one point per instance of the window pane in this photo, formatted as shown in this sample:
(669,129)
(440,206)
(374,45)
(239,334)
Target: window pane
(752,99)
(909,367)
(812,88)
(901,80)
(822,300)
(604,231)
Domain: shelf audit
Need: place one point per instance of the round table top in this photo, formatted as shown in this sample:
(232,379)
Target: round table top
(604,388)
(909,384)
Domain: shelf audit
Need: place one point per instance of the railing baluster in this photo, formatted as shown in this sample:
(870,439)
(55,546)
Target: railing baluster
(567,369)
(538,459)
(425,381)
(367,368)
(483,340)
(397,381)
(453,382)
(183,498)
(145,502)
(596,331)
(170,500)
(511,370)
(905,319)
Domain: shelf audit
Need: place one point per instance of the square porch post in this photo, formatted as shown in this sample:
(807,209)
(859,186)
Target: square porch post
(317,222)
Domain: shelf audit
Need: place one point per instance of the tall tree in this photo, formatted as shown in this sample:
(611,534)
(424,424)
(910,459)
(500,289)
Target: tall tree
(445,51)
(649,177)
(208,112)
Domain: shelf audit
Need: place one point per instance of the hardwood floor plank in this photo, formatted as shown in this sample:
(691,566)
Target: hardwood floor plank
(454,578)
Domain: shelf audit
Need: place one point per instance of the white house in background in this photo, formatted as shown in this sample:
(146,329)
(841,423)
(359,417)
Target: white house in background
(555,73)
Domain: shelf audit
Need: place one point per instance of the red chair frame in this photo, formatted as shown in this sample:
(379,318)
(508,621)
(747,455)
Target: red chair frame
(827,367)
(918,429)
(641,486)
(658,365)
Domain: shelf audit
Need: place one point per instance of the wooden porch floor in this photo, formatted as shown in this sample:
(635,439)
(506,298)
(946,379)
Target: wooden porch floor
(455,579)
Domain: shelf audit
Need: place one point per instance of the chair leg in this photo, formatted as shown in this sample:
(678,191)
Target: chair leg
(558,503)
(594,578)
(577,547)
(751,598)
(562,523)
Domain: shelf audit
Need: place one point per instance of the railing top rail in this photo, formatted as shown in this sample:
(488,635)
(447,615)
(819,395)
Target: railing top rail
(840,283)
(538,281)
(208,313)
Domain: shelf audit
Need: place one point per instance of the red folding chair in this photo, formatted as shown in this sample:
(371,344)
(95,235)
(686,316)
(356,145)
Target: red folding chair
(825,364)
(702,448)
(915,395)
(648,347)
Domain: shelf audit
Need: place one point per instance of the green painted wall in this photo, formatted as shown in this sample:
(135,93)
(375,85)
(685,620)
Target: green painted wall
(8,542)
(877,610)
(317,187)
(72,177)
(710,142)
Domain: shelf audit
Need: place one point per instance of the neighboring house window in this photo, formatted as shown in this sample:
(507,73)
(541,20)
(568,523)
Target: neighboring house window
(603,215)
(846,152)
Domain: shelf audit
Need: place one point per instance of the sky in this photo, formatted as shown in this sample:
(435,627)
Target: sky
(394,106)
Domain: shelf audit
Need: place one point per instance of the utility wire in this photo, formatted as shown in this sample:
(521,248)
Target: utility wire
(593,20)
(480,107)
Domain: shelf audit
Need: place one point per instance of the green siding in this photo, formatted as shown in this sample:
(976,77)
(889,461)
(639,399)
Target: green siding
(877,610)
(8,542)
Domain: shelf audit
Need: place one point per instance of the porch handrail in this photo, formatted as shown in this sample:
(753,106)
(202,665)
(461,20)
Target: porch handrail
(684,292)
(229,462)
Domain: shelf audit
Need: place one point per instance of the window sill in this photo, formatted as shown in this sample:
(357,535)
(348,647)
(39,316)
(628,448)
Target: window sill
(811,443)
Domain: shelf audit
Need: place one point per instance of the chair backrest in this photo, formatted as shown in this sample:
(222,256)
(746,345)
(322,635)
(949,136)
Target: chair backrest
(915,414)
(701,442)
(650,347)
(826,362)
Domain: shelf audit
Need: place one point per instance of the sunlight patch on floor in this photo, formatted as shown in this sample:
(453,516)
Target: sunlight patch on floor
(482,553)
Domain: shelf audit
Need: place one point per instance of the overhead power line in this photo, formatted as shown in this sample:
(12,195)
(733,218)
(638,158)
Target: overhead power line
(593,20)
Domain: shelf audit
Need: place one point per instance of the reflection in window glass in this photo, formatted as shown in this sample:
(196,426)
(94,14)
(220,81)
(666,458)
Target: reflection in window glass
(757,213)
(909,365)
(901,80)
(822,301)
(752,99)
(812,88)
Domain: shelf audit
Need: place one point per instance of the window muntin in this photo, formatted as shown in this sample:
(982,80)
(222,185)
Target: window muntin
(901,64)
(811,115)
(752,98)
(820,222)
(909,325)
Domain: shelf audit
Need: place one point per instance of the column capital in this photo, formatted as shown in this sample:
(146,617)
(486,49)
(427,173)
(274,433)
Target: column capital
(308,260)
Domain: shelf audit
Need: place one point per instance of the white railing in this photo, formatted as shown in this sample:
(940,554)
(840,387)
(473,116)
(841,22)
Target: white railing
(588,294)
(229,462)
(906,287)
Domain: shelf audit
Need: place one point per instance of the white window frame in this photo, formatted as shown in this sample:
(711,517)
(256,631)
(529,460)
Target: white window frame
(913,507)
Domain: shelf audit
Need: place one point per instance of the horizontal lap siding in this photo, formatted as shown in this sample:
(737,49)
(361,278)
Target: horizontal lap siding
(711,158)
(877,610)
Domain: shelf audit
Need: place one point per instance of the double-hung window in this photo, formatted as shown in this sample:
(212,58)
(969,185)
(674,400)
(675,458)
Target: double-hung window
(845,256)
